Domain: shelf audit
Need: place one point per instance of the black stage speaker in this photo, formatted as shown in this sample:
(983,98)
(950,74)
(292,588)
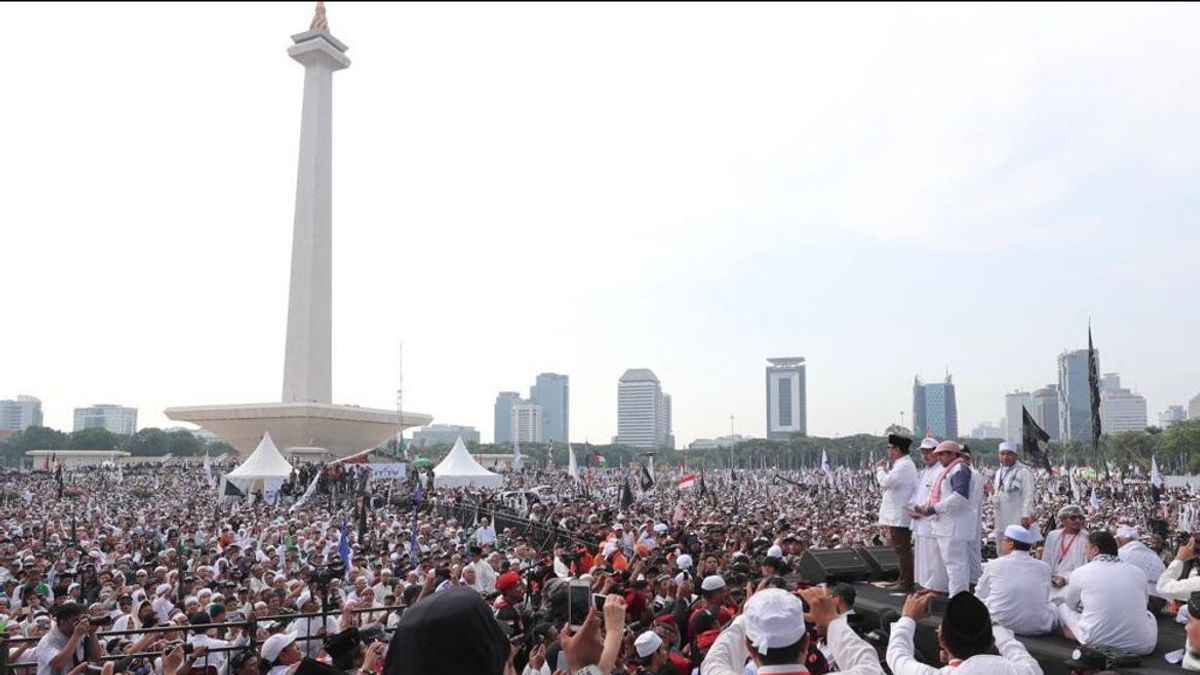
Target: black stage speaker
(832,565)
(882,560)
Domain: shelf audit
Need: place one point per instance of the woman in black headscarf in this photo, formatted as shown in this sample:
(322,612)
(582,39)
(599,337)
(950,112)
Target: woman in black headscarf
(449,633)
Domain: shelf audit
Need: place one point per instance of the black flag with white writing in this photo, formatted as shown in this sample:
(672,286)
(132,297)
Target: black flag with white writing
(1031,435)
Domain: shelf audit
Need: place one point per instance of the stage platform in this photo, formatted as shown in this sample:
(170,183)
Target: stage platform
(1050,651)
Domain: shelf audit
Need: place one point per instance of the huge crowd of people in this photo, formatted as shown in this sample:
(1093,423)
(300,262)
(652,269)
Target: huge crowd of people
(151,570)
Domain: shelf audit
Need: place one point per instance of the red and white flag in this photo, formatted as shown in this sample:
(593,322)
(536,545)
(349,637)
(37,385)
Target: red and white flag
(687,482)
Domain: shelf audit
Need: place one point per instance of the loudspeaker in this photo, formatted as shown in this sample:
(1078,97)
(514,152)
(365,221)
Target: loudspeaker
(832,565)
(882,560)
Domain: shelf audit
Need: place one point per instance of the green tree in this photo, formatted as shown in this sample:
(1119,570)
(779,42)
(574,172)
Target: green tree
(93,439)
(1183,440)
(147,442)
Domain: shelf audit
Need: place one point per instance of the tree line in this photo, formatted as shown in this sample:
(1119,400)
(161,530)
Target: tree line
(148,442)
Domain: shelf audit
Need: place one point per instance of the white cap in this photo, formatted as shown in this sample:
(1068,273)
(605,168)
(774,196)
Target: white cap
(162,588)
(1007,446)
(661,528)
(1019,534)
(647,643)
(1127,532)
(775,552)
(276,644)
(928,443)
(684,561)
(712,583)
(304,599)
(774,619)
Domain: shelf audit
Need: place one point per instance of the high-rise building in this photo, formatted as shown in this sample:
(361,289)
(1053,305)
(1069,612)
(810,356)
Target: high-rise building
(1121,409)
(1194,407)
(787,409)
(553,392)
(1014,421)
(527,422)
(667,429)
(1045,410)
(115,418)
(935,409)
(1110,382)
(987,430)
(502,425)
(443,434)
(19,415)
(643,411)
(1075,396)
(1171,415)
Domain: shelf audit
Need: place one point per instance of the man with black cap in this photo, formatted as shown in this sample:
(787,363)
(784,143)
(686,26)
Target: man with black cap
(966,635)
(70,642)
(897,486)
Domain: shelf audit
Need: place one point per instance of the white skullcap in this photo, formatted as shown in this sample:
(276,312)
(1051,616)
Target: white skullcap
(661,528)
(775,552)
(929,443)
(1019,534)
(1127,532)
(774,619)
(684,561)
(712,583)
(276,644)
(162,588)
(1007,446)
(647,643)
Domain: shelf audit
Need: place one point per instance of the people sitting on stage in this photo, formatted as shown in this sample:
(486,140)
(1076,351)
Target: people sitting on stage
(966,635)
(1182,576)
(1064,548)
(1134,552)
(1016,586)
(1105,602)
(1191,653)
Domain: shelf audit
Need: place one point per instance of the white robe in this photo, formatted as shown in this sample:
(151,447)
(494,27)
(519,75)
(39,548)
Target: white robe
(1105,603)
(1016,590)
(854,655)
(1013,496)
(1014,659)
(1140,556)
(1062,565)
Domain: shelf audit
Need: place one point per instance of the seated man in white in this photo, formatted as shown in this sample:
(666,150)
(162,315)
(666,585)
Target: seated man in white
(966,635)
(1064,547)
(1016,586)
(1134,552)
(1105,601)
(1182,576)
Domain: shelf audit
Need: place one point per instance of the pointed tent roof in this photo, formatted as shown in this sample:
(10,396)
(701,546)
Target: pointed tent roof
(459,469)
(265,462)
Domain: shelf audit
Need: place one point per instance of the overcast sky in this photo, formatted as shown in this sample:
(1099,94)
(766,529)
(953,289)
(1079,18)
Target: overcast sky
(584,188)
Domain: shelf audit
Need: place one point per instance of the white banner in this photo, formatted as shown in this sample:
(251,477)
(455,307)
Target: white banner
(388,471)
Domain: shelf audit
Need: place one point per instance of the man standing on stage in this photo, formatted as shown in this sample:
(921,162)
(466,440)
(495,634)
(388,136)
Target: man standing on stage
(898,485)
(953,520)
(1013,494)
(924,545)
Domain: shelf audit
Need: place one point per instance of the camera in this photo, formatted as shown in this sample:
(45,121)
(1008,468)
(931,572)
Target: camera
(327,573)
(105,620)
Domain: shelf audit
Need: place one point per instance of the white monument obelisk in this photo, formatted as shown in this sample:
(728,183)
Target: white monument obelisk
(307,364)
(307,422)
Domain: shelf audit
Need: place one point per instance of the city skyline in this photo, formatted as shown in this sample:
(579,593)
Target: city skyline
(783,226)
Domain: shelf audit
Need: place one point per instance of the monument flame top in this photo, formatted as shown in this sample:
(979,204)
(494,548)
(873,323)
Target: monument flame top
(319,21)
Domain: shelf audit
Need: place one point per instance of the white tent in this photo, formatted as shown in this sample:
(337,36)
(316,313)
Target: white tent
(265,469)
(460,469)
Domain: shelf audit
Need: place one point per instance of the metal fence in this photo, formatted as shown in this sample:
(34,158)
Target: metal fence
(251,624)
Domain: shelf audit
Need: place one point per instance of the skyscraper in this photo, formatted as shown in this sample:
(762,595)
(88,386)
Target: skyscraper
(527,422)
(1194,407)
(115,418)
(20,414)
(787,409)
(1173,414)
(1120,409)
(1013,402)
(1075,396)
(935,409)
(502,427)
(553,392)
(643,417)
(1045,410)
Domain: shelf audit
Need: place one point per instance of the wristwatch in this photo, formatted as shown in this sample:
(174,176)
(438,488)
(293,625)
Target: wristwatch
(589,670)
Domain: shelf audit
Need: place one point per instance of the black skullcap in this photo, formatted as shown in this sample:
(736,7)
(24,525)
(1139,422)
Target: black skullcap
(902,442)
(429,637)
(967,620)
(343,643)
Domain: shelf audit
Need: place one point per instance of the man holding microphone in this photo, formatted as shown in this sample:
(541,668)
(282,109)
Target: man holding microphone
(897,485)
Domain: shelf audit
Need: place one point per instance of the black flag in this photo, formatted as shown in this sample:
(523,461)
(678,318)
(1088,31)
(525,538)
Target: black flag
(232,490)
(703,488)
(58,478)
(1031,435)
(647,479)
(1094,385)
(626,495)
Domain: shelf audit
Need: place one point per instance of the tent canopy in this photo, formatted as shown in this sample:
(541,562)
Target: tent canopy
(460,469)
(265,462)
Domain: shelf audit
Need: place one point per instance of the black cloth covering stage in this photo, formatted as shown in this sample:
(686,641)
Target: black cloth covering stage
(1050,651)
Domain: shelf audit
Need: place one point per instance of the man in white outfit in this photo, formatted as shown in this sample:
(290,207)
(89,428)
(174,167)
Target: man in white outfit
(771,632)
(898,485)
(1016,586)
(966,635)
(1180,579)
(1134,552)
(1064,549)
(1105,603)
(924,545)
(1012,494)
(976,550)
(953,521)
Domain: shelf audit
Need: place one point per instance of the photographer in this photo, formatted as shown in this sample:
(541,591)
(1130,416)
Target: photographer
(1182,576)
(70,642)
